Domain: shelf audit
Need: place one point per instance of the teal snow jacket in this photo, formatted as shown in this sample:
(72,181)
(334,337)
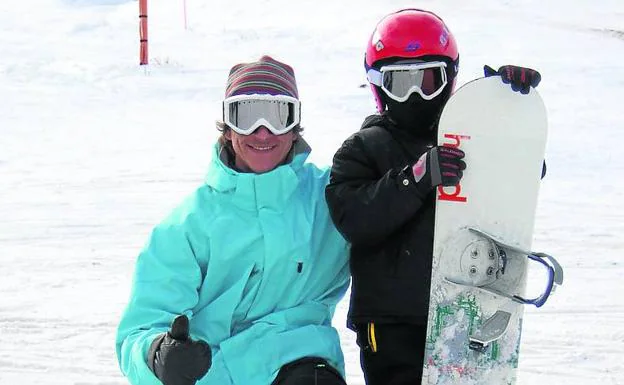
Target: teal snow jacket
(256,264)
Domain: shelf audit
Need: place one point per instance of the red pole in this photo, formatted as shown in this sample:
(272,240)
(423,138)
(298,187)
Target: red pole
(143,57)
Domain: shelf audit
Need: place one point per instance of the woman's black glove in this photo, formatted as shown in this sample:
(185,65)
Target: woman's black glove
(176,359)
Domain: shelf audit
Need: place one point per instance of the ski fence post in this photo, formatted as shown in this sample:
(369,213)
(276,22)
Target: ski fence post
(185,19)
(143,57)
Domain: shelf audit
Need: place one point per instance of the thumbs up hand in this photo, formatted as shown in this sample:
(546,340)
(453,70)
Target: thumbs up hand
(175,358)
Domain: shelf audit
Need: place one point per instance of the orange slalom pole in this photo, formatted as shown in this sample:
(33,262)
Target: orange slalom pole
(143,57)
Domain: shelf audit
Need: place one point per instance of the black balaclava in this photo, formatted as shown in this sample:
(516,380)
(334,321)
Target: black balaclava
(416,115)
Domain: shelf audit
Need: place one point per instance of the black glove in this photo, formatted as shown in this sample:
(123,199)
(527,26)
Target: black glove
(521,78)
(439,166)
(175,358)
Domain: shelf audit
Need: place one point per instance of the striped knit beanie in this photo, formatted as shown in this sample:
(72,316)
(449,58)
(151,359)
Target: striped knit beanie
(265,76)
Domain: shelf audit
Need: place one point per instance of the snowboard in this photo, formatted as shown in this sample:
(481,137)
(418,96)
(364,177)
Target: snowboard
(483,235)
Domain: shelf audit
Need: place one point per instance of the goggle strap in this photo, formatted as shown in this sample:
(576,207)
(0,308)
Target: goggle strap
(374,76)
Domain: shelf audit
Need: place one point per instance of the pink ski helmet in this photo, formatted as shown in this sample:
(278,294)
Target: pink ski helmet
(410,34)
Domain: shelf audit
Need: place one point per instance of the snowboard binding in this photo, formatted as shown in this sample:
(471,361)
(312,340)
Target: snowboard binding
(483,260)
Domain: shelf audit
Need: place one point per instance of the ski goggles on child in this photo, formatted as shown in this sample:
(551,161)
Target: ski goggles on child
(245,113)
(399,81)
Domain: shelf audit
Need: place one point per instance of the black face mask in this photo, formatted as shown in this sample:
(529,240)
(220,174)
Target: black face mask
(416,115)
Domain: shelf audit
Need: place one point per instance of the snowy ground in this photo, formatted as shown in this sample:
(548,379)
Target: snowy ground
(94,150)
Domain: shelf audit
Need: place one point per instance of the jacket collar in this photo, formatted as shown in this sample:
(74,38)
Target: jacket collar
(256,191)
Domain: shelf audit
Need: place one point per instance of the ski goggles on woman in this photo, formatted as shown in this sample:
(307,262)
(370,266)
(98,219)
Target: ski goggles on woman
(399,81)
(245,113)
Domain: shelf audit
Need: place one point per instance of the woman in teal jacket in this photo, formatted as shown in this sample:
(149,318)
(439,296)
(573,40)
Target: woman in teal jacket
(249,266)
